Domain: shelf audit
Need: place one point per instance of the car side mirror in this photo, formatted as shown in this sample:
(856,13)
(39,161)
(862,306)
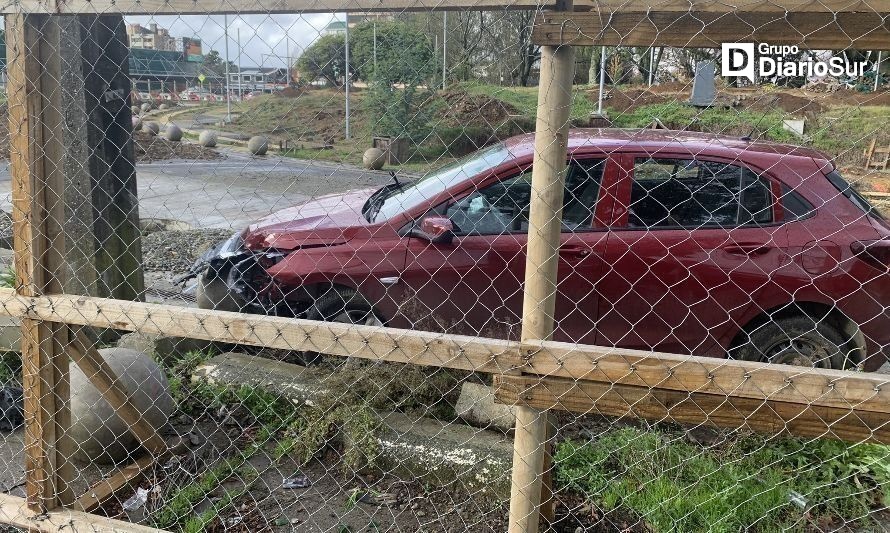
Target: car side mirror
(436,229)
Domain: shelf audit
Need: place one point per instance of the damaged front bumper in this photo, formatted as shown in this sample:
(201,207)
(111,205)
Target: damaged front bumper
(234,270)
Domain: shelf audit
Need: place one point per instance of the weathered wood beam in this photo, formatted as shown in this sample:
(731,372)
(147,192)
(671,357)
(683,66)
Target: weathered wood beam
(625,401)
(263,7)
(35,118)
(246,7)
(14,511)
(866,392)
(107,488)
(705,29)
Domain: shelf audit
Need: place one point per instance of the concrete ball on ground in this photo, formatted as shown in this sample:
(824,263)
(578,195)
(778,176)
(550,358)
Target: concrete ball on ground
(99,434)
(373,159)
(145,107)
(134,109)
(137,123)
(163,107)
(215,294)
(208,138)
(258,145)
(152,128)
(173,132)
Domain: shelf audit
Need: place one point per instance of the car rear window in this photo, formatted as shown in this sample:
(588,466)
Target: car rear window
(690,193)
(794,205)
(853,195)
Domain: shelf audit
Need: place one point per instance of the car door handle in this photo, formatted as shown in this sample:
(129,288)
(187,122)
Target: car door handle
(576,251)
(750,248)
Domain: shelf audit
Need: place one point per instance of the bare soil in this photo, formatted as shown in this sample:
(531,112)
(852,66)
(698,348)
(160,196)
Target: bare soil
(466,109)
(151,148)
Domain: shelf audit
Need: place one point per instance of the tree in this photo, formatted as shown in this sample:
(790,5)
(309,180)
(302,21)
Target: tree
(214,64)
(404,54)
(325,58)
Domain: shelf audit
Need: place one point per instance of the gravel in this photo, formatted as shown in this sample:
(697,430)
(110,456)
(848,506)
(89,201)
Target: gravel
(175,251)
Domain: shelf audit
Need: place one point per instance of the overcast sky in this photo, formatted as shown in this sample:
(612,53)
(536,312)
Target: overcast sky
(264,38)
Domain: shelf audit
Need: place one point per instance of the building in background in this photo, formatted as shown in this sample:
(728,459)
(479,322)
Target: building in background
(151,38)
(191,48)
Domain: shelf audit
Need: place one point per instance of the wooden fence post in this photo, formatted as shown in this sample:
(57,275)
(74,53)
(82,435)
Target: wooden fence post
(35,119)
(545,225)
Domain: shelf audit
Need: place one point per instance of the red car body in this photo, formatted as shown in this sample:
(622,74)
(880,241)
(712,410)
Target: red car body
(674,289)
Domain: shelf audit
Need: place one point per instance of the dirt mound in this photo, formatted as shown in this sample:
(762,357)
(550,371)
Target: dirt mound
(150,148)
(787,102)
(626,101)
(464,108)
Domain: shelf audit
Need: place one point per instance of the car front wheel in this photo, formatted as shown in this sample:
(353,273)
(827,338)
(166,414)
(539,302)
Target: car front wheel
(799,341)
(345,306)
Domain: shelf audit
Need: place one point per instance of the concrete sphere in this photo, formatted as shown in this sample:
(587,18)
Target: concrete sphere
(145,107)
(137,123)
(207,138)
(98,433)
(215,294)
(373,159)
(134,109)
(152,128)
(258,145)
(173,132)
(163,107)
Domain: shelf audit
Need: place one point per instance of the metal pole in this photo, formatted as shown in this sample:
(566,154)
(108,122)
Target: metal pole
(542,260)
(651,65)
(375,46)
(238,44)
(878,71)
(599,103)
(228,92)
(346,39)
(444,46)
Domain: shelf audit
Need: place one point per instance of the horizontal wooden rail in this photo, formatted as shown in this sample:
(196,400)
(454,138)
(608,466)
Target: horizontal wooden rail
(14,511)
(262,7)
(763,416)
(703,29)
(863,392)
(244,7)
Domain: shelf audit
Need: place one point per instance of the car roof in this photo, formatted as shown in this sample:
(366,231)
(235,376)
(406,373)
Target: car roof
(655,140)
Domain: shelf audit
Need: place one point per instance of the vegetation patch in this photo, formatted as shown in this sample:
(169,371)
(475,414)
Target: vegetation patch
(777,484)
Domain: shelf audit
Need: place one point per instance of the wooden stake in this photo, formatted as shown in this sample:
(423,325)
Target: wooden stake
(545,225)
(35,156)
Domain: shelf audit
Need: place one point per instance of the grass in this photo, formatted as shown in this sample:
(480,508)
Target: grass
(748,483)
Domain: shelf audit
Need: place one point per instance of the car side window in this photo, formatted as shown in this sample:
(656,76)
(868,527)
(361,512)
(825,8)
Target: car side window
(503,207)
(687,193)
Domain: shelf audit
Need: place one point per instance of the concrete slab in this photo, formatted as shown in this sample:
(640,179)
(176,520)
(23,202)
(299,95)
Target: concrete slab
(440,452)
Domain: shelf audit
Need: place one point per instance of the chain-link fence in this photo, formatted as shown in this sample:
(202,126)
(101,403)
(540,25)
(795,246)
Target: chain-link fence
(463,266)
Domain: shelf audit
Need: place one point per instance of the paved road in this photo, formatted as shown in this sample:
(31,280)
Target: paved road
(232,192)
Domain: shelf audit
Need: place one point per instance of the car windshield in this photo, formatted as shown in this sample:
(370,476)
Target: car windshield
(390,201)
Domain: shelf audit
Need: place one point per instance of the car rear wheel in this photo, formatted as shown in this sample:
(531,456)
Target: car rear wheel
(345,306)
(799,341)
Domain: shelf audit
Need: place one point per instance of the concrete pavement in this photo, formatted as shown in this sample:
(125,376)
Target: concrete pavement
(232,192)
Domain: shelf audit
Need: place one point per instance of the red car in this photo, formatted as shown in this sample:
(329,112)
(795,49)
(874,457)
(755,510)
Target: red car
(673,241)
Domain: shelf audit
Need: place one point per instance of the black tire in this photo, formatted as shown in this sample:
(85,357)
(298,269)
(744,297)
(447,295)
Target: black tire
(796,340)
(340,305)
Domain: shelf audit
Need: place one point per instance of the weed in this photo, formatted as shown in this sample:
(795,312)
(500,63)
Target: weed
(8,278)
(672,485)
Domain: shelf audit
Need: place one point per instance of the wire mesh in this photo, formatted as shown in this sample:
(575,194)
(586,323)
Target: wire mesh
(355,192)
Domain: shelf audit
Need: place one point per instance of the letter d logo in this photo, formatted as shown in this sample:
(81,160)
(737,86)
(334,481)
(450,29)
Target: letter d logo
(737,60)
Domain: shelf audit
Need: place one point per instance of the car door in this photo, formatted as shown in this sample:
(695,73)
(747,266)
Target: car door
(693,249)
(473,285)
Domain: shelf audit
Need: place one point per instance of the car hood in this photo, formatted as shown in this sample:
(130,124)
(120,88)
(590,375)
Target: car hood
(323,221)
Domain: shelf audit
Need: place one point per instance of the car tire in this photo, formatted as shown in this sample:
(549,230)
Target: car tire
(340,305)
(797,340)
